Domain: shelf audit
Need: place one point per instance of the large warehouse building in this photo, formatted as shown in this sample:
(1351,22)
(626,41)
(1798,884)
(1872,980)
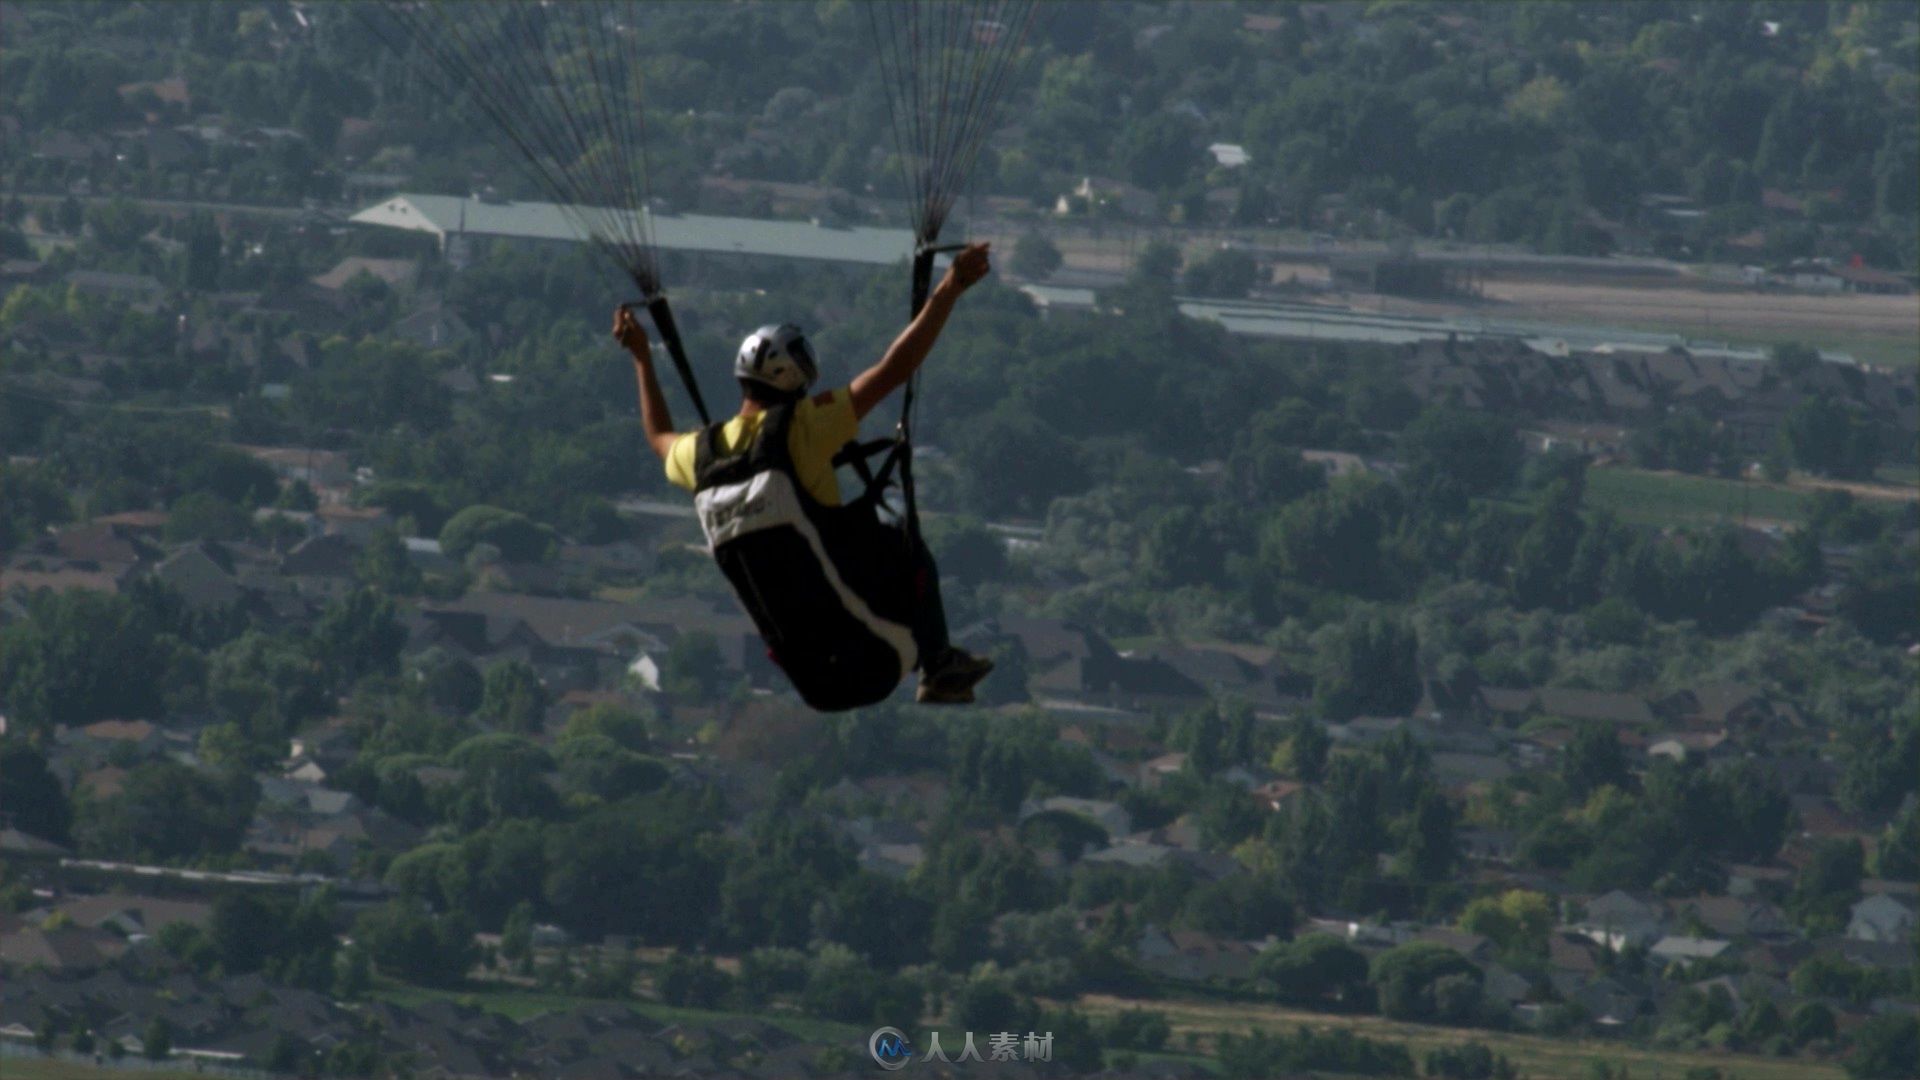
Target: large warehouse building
(451,217)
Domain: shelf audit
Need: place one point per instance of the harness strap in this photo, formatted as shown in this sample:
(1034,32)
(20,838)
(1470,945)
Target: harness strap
(670,335)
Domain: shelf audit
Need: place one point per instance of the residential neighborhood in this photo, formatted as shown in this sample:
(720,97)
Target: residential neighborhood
(1434,485)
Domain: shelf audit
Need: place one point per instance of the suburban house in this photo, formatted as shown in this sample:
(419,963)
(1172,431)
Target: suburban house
(1194,956)
(1617,919)
(1108,815)
(1678,948)
(1734,917)
(1882,918)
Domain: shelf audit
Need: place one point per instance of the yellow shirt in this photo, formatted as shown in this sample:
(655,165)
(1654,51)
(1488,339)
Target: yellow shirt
(822,424)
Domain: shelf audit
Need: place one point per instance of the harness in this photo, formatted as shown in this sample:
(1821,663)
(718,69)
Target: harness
(823,584)
(898,447)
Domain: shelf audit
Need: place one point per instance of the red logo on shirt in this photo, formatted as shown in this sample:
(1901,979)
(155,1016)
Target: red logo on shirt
(823,399)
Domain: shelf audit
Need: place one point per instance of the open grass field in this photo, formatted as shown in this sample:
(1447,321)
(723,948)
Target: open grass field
(1668,498)
(1894,351)
(1663,498)
(524,1004)
(1876,329)
(14,1068)
(1195,1025)
(1534,1056)
(1904,475)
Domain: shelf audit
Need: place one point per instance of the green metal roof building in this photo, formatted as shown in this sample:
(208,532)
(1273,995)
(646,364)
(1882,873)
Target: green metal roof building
(449,216)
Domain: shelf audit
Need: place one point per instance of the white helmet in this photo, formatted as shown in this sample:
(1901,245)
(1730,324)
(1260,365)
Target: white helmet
(777,357)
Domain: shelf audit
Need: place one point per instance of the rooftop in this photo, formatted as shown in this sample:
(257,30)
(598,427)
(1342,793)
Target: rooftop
(443,215)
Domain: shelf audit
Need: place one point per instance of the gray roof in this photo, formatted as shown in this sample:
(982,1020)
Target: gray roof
(120,284)
(443,215)
(1682,947)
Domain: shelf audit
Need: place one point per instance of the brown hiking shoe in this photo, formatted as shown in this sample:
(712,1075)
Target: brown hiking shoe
(950,678)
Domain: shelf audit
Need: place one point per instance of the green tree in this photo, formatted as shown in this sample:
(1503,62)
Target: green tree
(767,972)
(1304,752)
(384,564)
(882,920)
(517,537)
(1318,968)
(1159,151)
(1544,554)
(1832,438)
(353,974)
(201,515)
(505,778)
(1265,467)
(1882,591)
(516,940)
(1518,921)
(1145,1030)
(1157,264)
(231,475)
(157,1041)
(1753,811)
(1230,273)
(599,766)
(36,802)
(1811,1022)
(203,265)
(407,499)
(512,697)
(166,811)
(1366,666)
(1593,759)
(288,1055)
(1885,1048)
(1407,979)
(267,686)
(359,635)
(843,987)
(245,929)
(1330,539)
(70,218)
(31,498)
(1427,847)
(1477,452)
(1035,257)
(1897,855)
(694,669)
(597,864)
(416,947)
(451,682)
(1827,886)
(1682,440)
(987,1002)
(1468,1061)
(623,726)
(692,981)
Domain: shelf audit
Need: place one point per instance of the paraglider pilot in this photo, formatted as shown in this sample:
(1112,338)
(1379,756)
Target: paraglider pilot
(847,603)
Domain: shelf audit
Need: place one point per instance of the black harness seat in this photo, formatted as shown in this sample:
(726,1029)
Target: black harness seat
(827,586)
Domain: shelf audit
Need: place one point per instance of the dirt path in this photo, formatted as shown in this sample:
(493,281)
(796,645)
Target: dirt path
(1895,316)
(1859,489)
(1535,1056)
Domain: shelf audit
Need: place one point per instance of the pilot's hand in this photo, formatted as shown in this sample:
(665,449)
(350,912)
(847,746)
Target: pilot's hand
(969,266)
(628,332)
